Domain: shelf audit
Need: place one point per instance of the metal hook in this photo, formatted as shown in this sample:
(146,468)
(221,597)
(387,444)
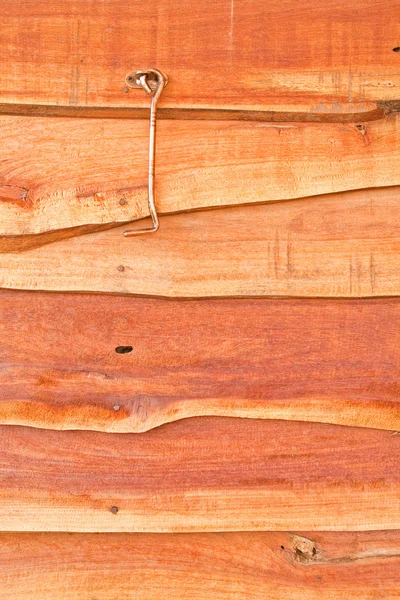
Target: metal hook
(153,82)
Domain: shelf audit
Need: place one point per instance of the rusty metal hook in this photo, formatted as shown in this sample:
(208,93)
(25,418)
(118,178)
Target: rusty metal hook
(153,82)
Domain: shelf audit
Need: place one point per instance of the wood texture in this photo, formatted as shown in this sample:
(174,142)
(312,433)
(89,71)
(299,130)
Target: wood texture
(81,169)
(338,245)
(201,474)
(255,566)
(319,56)
(313,360)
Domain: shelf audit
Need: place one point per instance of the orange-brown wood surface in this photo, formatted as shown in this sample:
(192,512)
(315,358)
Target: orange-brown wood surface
(321,56)
(333,361)
(214,566)
(81,169)
(286,310)
(345,245)
(201,474)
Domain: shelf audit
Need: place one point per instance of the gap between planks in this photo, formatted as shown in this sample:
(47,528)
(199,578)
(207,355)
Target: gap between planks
(372,112)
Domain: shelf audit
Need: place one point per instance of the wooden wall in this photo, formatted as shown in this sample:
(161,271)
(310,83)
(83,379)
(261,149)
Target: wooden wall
(212,411)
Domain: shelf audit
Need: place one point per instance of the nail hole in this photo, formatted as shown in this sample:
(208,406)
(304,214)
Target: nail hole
(122,201)
(116,407)
(123,349)
(397,49)
(114,510)
(283,547)
(120,268)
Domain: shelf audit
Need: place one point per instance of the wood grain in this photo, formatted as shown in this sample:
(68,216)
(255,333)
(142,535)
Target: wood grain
(312,360)
(255,566)
(201,474)
(81,169)
(338,245)
(239,54)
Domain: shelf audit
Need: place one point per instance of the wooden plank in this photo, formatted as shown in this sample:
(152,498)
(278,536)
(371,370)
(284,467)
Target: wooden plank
(94,171)
(201,474)
(213,566)
(237,54)
(312,360)
(339,245)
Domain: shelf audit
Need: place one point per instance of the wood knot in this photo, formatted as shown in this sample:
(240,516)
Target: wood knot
(305,550)
(14,194)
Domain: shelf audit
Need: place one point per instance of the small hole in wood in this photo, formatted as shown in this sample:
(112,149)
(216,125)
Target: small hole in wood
(114,510)
(283,547)
(397,49)
(123,349)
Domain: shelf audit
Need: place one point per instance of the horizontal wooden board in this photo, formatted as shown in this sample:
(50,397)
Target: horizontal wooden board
(94,171)
(201,474)
(211,566)
(345,245)
(314,360)
(319,56)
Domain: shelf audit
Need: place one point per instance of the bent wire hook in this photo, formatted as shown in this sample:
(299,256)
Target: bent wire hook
(153,82)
